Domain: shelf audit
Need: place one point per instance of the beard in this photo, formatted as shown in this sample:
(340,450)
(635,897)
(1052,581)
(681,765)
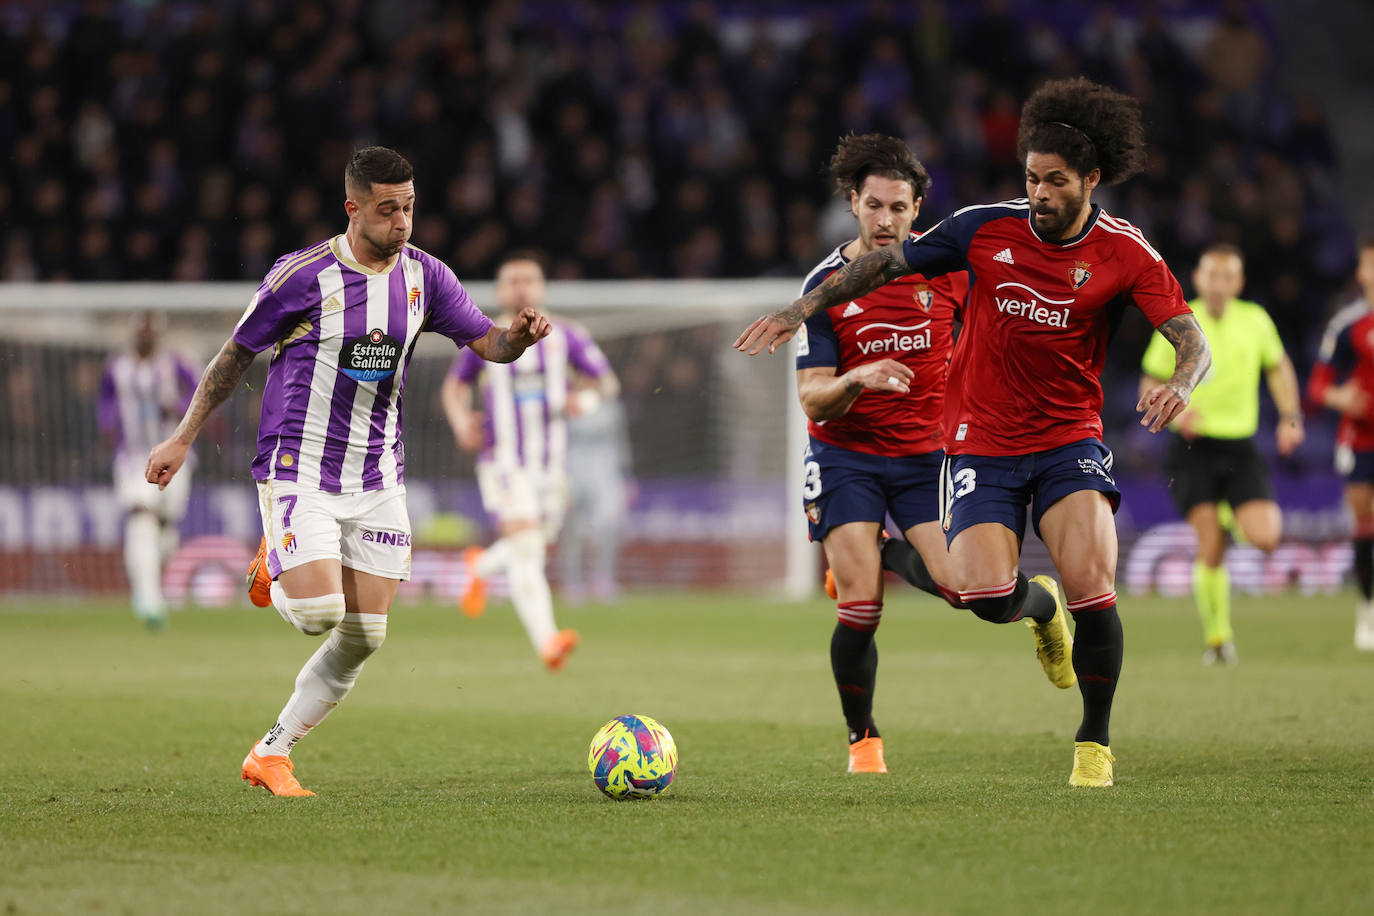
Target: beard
(1053,222)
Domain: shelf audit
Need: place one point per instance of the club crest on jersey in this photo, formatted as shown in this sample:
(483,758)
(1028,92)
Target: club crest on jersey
(288,542)
(1080,274)
(413,300)
(371,357)
(923,296)
(813,512)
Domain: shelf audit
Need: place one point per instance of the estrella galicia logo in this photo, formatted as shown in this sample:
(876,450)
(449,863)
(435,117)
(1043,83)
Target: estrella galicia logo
(371,357)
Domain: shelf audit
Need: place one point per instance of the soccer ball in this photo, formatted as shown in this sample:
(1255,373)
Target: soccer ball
(632,757)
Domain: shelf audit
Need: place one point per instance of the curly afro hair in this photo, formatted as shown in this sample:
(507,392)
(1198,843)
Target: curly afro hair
(1090,125)
(859,156)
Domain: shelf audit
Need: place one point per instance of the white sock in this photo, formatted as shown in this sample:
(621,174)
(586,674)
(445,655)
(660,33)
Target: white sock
(325,681)
(143,563)
(312,616)
(529,587)
(493,559)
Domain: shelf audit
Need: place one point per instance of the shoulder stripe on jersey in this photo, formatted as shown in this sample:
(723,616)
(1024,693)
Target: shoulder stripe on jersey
(1125,226)
(833,262)
(306,263)
(1020,203)
(298,256)
(1347,316)
(1139,240)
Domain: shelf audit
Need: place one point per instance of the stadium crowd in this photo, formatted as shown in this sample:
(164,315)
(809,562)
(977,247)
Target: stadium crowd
(179,141)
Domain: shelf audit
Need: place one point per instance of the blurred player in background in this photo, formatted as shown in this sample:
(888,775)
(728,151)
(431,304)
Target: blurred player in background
(1023,407)
(142,394)
(1343,380)
(871,378)
(341,318)
(1214,467)
(600,472)
(522,440)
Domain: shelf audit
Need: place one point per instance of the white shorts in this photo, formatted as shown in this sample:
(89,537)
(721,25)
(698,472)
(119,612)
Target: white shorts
(133,491)
(523,495)
(369,532)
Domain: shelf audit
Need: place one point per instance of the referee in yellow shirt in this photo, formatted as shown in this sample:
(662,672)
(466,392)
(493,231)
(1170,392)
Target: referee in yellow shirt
(1212,457)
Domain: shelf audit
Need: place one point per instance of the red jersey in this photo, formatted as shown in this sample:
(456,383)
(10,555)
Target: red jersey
(1348,353)
(1026,373)
(878,326)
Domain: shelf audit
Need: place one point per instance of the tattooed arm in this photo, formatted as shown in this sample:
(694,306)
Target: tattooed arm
(1192,359)
(220,379)
(504,345)
(859,277)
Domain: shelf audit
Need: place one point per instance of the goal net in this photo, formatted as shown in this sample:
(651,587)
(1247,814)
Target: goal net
(713,442)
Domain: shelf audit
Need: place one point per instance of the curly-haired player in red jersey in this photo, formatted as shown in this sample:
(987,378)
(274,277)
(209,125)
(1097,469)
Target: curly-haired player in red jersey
(1023,425)
(1343,380)
(870,375)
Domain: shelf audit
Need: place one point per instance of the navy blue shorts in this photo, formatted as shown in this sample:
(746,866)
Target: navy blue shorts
(843,486)
(979,489)
(1355,467)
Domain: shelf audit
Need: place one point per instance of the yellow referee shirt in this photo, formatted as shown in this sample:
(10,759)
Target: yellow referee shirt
(1244,343)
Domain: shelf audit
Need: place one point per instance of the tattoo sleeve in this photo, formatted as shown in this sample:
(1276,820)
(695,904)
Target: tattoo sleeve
(859,277)
(500,349)
(1192,356)
(220,379)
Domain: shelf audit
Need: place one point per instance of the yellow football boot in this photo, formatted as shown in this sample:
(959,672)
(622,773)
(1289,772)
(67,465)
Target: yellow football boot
(1053,641)
(1092,765)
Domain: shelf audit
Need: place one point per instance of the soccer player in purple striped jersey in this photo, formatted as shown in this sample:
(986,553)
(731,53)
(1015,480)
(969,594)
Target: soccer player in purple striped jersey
(142,392)
(342,318)
(522,436)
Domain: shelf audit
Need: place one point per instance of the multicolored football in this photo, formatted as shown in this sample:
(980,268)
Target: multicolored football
(632,757)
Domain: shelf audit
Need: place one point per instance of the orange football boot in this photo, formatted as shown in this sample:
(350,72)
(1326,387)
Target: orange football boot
(274,774)
(474,600)
(259,579)
(559,646)
(866,756)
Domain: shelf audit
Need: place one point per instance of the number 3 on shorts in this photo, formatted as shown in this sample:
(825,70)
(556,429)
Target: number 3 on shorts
(964,482)
(811,487)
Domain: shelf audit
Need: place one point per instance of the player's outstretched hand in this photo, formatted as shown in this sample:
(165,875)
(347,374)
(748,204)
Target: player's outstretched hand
(528,328)
(1161,404)
(164,461)
(884,375)
(771,331)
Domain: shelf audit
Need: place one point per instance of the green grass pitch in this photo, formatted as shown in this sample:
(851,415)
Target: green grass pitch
(454,778)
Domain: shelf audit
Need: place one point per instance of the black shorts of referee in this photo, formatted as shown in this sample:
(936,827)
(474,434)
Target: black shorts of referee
(1204,470)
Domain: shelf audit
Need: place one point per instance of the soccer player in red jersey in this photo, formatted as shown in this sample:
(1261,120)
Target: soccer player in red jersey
(875,444)
(1344,381)
(1023,425)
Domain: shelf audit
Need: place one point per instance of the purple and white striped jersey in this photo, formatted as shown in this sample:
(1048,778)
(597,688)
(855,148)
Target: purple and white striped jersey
(142,400)
(526,401)
(344,335)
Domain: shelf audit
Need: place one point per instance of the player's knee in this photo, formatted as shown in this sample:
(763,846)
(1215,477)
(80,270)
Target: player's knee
(317,615)
(361,634)
(997,604)
(993,610)
(527,544)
